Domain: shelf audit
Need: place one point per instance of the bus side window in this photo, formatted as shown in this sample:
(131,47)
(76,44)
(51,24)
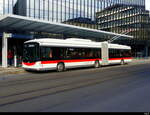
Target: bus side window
(58,53)
(50,54)
(97,53)
(111,53)
(46,53)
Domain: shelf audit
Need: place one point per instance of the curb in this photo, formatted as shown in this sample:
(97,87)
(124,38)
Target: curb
(19,70)
(4,71)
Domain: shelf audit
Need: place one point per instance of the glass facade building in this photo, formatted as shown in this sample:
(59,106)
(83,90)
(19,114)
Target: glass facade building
(126,19)
(61,10)
(119,16)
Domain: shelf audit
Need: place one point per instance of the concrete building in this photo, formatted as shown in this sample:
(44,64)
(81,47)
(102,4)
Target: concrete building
(127,19)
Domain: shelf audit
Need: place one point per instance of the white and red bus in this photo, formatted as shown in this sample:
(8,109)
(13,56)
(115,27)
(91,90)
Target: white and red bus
(49,54)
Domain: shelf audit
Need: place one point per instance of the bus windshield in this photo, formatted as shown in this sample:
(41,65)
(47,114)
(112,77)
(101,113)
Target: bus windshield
(31,52)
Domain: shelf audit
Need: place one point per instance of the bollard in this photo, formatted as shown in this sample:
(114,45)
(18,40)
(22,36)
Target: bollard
(15,60)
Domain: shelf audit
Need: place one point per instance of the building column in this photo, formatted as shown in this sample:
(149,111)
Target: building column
(15,57)
(146,51)
(5,49)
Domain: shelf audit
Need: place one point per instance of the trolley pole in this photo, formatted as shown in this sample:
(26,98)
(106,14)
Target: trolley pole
(116,37)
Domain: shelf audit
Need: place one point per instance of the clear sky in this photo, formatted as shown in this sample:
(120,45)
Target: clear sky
(148,5)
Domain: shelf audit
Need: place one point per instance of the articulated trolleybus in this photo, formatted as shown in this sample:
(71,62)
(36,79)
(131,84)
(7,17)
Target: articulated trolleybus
(50,54)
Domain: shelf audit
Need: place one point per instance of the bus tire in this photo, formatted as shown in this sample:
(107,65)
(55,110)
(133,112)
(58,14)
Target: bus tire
(60,67)
(97,64)
(122,62)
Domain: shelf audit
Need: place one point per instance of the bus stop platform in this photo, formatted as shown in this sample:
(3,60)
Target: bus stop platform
(11,70)
(140,60)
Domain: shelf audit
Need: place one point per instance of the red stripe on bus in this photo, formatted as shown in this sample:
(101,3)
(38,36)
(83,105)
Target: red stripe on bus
(68,61)
(120,58)
(29,64)
(72,61)
(50,62)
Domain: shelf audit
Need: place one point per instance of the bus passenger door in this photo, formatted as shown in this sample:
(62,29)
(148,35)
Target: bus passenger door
(105,57)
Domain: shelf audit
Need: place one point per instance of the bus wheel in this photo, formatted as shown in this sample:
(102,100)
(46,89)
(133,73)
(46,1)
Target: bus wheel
(60,67)
(122,62)
(97,64)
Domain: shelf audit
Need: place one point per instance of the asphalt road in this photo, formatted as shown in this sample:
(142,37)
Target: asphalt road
(108,89)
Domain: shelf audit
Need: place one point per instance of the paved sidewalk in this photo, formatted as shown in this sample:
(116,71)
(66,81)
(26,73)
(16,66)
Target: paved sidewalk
(140,60)
(18,70)
(11,70)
